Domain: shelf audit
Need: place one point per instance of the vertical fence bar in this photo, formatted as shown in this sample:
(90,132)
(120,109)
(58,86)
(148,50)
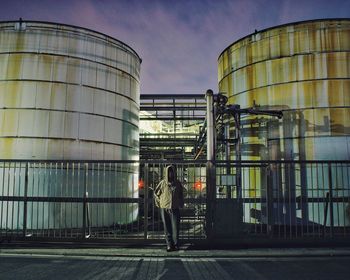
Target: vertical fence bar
(85,201)
(19,194)
(284,207)
(8,193)
(269,199)
(125,194)
(32,192)
(2,190)
(324,191)
(325,213)
(145,202)
(74,185)
(81,168)
(336,189)
(115,194)
(330,198)
(13,201)
(25,201)
(288,174)
(97,193)
(42,190)
(311,187)
(343,221)
(346,199)
(55,203)
(211,194)
(304,199)
(103,195)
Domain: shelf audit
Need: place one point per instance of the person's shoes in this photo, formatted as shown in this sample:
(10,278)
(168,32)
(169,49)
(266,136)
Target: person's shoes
(176,248)
(169,248)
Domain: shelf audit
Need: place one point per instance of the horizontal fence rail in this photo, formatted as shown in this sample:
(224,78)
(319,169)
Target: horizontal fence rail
(279,200)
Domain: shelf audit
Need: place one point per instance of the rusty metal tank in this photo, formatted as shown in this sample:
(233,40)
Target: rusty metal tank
(68,93)
(302,69)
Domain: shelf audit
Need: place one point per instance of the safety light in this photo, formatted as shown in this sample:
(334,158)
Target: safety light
(141,184)
(198,185)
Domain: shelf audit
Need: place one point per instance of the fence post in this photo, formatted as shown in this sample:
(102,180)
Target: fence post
(145,201)
(330,198)
(25,201)
(210,167)
(211,191)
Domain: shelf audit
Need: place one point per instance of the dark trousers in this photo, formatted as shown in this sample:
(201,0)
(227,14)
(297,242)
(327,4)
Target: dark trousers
(171,222)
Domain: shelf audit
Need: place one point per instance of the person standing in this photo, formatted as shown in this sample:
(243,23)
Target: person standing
(169,198)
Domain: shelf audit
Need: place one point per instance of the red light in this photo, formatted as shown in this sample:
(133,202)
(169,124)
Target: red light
(198,185)
(141,184)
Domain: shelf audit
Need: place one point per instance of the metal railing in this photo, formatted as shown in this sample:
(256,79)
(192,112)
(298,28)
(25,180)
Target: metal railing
(280,200)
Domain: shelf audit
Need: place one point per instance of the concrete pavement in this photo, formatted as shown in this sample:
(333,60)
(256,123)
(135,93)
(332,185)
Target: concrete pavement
(71,262)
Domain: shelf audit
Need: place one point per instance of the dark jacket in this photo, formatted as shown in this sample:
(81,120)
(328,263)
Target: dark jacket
(169,195)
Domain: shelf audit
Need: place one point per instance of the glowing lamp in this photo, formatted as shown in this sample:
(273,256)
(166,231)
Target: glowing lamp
(198,185)
(141,184)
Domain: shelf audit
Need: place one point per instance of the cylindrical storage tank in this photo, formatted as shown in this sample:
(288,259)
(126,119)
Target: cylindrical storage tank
(69,93)
(302,69)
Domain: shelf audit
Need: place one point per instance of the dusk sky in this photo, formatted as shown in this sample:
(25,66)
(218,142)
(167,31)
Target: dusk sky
(179,41)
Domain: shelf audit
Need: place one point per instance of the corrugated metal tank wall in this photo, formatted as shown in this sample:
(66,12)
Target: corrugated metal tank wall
(69,93)
(302,69)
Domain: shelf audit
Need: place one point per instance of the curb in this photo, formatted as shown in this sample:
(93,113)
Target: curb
(146,253)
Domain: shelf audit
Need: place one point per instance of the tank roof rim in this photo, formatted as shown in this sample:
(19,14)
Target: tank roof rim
(282,25)
(76,26)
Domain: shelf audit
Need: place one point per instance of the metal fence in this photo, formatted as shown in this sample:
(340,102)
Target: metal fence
(59,200)
(288,200)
